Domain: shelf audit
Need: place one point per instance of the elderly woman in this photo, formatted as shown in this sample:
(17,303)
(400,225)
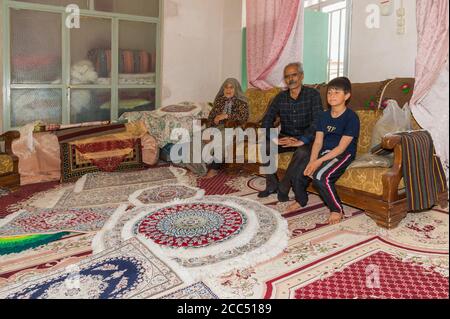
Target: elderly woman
(230,105)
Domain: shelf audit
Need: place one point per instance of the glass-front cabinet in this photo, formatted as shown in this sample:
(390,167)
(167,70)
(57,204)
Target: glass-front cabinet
(74,61)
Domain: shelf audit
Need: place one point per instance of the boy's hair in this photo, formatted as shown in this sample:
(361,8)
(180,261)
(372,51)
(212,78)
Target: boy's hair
(341,83)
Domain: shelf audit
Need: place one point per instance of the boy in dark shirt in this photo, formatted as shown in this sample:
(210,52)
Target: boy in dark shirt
(335,146)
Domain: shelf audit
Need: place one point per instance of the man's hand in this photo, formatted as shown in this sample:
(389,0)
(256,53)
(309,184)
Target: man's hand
(312,168)
(219,118)
(290,142)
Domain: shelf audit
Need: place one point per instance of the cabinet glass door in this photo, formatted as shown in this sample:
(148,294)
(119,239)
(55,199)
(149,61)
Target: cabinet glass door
(90,70)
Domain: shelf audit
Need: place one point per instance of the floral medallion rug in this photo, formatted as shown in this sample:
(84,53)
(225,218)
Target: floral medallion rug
(199,237)
(47,221)
(164,194)
(105,180)
(128,271)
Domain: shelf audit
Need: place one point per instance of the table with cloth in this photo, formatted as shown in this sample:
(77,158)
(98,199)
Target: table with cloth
(162,121)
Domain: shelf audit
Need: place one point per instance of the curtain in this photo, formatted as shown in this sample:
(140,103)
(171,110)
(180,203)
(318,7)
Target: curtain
(274,39)
(430,101)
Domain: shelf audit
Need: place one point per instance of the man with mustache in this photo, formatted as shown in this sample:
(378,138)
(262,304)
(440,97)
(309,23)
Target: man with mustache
(298,108)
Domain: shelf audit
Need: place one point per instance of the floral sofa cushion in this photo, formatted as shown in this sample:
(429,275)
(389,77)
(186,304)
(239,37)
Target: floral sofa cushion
(6,164)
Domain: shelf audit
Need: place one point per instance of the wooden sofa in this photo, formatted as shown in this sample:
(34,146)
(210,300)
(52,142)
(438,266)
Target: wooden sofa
(378,191)
(9,163)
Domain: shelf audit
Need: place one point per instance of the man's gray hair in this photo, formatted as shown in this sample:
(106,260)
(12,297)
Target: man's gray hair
(299,66)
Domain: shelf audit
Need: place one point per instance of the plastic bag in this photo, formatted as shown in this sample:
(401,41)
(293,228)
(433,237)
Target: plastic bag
(371,160)
(394,119)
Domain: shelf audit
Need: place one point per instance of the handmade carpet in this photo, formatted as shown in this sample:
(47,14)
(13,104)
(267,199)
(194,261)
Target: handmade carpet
(17,244)
(336,261)
(74,166)
(105,180)
(196,291)
(354,259)
(46,221)
(165,194)
(12,202)
(201,236)
(128,271)
(60,253)
(371,269)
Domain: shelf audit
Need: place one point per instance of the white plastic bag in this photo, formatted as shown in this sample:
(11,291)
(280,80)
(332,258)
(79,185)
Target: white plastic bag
(394,119)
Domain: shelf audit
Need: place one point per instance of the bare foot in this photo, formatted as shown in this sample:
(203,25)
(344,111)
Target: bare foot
(293,207)
(335,218)
(211,173)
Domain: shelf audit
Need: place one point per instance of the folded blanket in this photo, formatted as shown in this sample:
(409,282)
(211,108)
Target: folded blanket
(422,171)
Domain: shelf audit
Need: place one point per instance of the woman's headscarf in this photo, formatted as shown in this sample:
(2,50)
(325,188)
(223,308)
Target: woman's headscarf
(237,90)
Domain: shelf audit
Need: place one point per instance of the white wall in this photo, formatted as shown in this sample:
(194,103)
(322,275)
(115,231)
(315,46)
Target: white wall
(201,46)
(379,54)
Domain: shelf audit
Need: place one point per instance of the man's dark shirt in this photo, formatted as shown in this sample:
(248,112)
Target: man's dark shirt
(298,117)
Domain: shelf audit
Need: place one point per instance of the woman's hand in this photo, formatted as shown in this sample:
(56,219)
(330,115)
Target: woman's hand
(312,168)
(219,118)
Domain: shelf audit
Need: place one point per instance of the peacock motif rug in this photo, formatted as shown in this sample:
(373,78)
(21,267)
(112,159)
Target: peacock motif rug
(47,221)
(165,194)
(204,236)
(128,271)
(17,244)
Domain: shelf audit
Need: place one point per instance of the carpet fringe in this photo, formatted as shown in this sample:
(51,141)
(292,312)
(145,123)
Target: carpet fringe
(98,240)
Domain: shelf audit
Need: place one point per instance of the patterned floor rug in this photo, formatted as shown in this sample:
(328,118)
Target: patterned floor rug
(129,271)
(372,269)
(120,194)
(48,221)
(60,253)
(333,252)
(196,291)
(165,194)
(218,232)
(354,259)
(11,202)
(17,244)
(102,179)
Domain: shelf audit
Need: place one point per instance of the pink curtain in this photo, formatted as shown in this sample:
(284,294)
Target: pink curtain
(432,40)
(269,26)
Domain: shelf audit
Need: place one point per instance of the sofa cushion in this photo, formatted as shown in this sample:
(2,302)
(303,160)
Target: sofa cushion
(363,179)
(6,164)
(368,119)
(259,102)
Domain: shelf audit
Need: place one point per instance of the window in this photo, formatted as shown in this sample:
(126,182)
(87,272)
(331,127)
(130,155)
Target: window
(56,74)
(327,25)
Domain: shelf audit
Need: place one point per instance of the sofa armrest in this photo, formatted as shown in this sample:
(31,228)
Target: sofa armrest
(392,178)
